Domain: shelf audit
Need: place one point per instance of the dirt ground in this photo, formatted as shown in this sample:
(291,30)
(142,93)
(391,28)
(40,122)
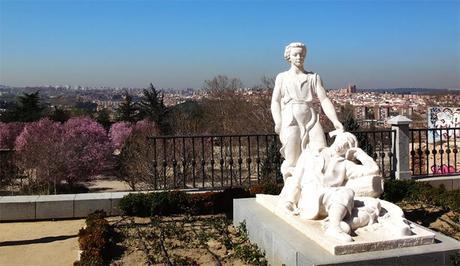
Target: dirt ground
(30,243)
(184,240)
(446,222)
(39,243)
(106,184)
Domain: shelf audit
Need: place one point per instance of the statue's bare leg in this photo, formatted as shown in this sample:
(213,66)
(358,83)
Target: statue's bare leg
(291,143)
(336,213)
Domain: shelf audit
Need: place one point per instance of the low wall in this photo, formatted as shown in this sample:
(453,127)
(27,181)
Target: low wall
(45,207)
(449,182)
(64,206)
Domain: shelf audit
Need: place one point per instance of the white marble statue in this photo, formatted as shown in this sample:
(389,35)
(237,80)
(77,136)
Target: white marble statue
(296,121)
(319,186)
(330,193)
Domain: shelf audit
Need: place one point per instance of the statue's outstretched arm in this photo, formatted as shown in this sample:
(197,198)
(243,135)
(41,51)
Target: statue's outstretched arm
(326,104)
(276,104)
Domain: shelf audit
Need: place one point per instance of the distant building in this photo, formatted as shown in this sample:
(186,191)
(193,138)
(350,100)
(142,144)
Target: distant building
(382,113)
(406,111)
(351,89)
(359,112)
(348,90)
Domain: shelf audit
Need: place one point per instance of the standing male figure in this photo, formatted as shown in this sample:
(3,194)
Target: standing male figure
(296,122)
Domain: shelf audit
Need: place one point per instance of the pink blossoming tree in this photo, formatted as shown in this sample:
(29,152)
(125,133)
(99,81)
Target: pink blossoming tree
(39,153)
(8,134)
(118,133)
(86,149)
(51,152)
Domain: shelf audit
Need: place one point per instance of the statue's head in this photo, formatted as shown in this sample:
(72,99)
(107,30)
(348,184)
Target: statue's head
(343,142)
(295,53)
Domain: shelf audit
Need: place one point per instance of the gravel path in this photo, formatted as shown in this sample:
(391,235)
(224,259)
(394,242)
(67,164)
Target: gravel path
(39,243)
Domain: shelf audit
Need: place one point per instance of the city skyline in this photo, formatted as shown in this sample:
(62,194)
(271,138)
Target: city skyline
(179,44)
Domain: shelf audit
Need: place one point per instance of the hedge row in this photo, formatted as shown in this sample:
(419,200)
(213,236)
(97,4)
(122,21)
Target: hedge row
(410,190)
(176,202)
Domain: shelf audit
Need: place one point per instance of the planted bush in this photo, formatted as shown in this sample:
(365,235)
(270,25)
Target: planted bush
(136,205)
(150,204)
(176,202)
(95,240)
(410,190)
(167,203)
(269,187)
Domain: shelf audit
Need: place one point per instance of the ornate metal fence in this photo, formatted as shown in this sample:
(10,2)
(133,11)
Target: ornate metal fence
(379,145)
(214,161)
(218,161)
(434,152)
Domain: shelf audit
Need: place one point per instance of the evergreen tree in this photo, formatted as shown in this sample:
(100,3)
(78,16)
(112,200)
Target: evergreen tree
(103,118)
(27,109)
(59,115)
(127,111)
(152,107)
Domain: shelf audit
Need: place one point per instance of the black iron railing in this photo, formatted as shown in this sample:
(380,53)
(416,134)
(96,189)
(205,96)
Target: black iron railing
(434,152)
(379,145)
(220,161)
(213,161)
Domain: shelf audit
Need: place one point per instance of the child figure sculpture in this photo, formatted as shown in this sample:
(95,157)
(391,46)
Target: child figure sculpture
(325,184)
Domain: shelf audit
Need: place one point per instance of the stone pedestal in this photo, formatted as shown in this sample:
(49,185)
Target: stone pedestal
(401,146)
(284,244)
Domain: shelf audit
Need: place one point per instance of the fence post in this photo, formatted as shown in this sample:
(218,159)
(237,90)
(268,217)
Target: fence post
(400,146)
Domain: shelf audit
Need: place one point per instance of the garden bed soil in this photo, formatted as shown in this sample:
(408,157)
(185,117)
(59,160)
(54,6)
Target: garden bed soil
(213,240)
(184,240)
(435,218)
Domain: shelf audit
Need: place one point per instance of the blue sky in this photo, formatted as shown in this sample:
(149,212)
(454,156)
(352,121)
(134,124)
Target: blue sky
(373,44)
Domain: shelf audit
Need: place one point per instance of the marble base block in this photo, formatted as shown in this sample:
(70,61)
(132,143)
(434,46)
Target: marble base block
(381,238)
(286,243)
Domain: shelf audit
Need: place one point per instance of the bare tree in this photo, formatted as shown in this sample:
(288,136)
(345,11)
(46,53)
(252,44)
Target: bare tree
(222,83)
(267,83)
(230,110)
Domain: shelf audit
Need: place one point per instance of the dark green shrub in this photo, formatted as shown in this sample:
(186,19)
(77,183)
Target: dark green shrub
(202,203)
(397,190)
(270,187)
(148,204)
(175,202)
(409,190)
(167,203)
(95,240)
(223,201)
(136,205)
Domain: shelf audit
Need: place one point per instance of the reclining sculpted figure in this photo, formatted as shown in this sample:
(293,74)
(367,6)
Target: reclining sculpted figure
(325,184)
